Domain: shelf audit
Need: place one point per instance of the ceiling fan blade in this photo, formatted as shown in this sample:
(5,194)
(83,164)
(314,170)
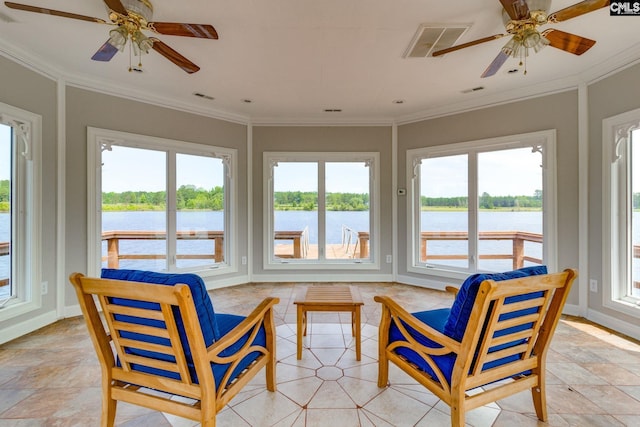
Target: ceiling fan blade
(116,6)
(46,11)
(203,31)
(468,44)
(495,64)
(174,56)
(105,53)
(577,10)
(516,9)
(568,42)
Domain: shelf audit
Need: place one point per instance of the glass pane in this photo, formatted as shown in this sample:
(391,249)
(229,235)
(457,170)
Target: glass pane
(634,285)
(200,205)
(295,204)
(510,209)
(444,211)
(6,168)
(134,208)
(347,210)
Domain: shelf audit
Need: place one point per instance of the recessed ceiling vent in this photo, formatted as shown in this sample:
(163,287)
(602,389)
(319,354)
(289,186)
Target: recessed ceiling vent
(431,37)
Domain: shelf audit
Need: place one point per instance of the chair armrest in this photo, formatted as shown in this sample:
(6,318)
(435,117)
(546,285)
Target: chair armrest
(252,321)
(396,311)
(452,290)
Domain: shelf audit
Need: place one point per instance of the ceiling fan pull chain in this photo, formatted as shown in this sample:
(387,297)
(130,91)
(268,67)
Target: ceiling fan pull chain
(130,67)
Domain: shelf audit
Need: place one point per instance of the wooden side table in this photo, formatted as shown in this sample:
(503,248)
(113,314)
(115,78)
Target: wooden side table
(329,298)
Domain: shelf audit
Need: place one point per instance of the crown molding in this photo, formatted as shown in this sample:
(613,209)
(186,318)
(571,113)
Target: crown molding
(25,59)
(93,85)
(310,121)
(59,76)
(589,76)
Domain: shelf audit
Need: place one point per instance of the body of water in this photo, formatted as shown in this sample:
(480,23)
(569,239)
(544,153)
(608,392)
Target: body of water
(298,220)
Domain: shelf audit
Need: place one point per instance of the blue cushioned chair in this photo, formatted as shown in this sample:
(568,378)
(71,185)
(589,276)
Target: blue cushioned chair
(160,333)
(498,331)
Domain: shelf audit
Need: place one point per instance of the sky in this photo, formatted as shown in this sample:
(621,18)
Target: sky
(340,177)
(134,169)
(511,172)
(515,172)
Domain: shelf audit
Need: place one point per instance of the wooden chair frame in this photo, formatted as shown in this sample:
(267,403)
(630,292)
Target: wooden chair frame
(121,383)
(473,351)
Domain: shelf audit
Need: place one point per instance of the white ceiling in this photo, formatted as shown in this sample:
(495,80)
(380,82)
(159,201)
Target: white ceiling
(295,58)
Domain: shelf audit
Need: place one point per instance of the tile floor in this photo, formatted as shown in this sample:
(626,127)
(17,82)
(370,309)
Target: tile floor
(51,377)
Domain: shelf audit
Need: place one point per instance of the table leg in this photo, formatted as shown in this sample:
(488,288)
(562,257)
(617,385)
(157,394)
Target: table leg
(299,328)
(356,325)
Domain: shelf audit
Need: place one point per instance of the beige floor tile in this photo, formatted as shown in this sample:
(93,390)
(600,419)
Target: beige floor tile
(301,391)
(614,400)
(397,408)
(332,418)
(592,376)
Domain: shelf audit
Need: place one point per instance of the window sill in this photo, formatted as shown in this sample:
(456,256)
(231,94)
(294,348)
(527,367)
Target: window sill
(17,308)
(623,306)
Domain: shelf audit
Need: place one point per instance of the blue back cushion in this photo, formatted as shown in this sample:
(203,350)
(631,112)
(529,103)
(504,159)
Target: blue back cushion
(202,302)
(214,326)
(456,324)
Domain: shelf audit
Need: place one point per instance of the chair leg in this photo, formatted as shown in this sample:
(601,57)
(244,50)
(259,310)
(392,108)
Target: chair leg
(209,423)
(383,341)
(540,401)
(270,369)
(270,372)
(457,416)
(383,370)
(108,417)
(457,409)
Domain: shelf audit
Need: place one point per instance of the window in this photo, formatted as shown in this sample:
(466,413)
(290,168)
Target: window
(320,209)
(483,206)
(621,202)
(161,205)
(19,211)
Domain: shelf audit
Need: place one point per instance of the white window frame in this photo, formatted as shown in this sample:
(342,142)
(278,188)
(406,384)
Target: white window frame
(99,138)
(615,231)
(270,262)
(26,255)
(545,139)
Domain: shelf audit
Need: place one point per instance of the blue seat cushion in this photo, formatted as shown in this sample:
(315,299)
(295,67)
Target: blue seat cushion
(456,324)
(445,363)
(226,322)
(435,319)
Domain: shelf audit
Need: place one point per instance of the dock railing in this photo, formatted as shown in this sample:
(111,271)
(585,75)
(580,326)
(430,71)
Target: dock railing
(114,237)
(4,251)
(518,255)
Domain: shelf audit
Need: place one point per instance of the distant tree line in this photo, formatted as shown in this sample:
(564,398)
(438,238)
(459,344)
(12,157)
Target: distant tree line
(487,201)
(5,192)
(308,201)
(187,197)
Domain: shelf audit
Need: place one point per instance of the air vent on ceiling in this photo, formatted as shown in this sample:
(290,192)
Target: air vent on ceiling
(431,37)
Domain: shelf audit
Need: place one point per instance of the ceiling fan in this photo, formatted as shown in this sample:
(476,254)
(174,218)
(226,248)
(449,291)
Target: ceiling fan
(522,19)
(130,17)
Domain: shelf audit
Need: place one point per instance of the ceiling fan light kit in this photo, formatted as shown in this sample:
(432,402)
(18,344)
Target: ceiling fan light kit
(521,20)
(131,18)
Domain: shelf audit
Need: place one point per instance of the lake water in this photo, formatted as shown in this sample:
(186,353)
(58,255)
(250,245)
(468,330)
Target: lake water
(298,220)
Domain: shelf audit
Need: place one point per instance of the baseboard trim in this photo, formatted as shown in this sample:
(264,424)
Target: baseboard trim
(421,282)
(615,324)
(32,324)
(363,278)
(572,310)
